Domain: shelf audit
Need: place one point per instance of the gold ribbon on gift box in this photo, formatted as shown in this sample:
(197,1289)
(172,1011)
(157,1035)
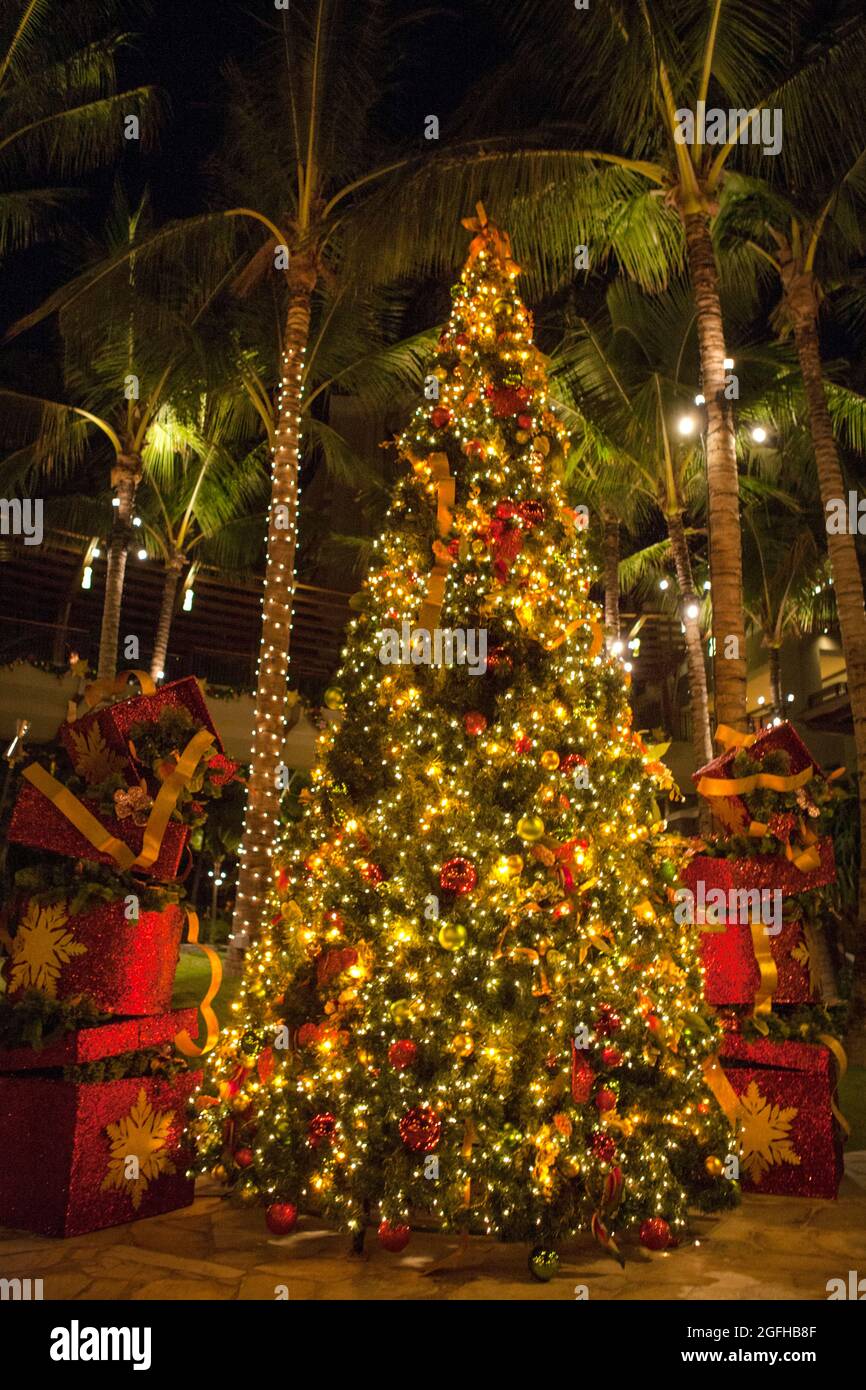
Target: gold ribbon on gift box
(68,804)
(183,1042)
(103,689)
(730,1102)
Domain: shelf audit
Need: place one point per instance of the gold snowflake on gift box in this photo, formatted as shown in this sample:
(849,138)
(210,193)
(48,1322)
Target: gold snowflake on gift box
(93,759)
(141,1135)
(41,947)
(765,1134)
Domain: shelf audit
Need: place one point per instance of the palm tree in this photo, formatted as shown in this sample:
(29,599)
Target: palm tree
(128,364)
(60,113)
(201,509)
(624,382)
(292,169)
(812,242)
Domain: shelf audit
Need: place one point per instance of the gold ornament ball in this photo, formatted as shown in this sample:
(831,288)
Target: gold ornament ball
(401,1010)
(440,373)
(521,436)
(248,1195)
(333,697)
(463,1044)
(452,936)
(530,828)
(714,1166)
(514,864)
(219,1173)
(504,307)
(541,444)
(549,760)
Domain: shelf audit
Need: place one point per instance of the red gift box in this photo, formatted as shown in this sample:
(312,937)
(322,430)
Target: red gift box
(76,1174)
(790,1139)
(115,721)
(762,871)
(37,822)
(100,1041)
(732,973)
(125,967)
(731,811)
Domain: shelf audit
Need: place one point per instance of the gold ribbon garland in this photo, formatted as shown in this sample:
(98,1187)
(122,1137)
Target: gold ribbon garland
(431,606)
(183,1042)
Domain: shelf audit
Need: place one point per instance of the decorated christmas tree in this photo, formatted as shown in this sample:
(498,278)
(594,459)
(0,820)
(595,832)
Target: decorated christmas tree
(472,1006)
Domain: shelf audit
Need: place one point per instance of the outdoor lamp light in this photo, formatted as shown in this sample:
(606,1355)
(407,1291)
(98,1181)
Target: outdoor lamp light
(187,600)
(142,554)
(692,611)
(87,577)
(759,434)
(686,424)
(663,584)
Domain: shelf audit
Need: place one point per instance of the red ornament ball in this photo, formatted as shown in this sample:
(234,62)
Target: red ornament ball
(244,1158)
(420,1129)
(402,1054)
(531,512)
(461,339)
(321,1130)
(525,422)
(653,1023)
(608,1021)
(603,1145)
(372,874)
(474,722)
(393,1238)
(571,761)
(611,1057)
(281,1218)
(500,659)
(655,1233)
(605,1099)
(458,876)
(505,510)
(522,744)
(440,417)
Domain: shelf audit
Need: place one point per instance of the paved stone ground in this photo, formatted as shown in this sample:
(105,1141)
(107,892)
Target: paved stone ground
(769,1248)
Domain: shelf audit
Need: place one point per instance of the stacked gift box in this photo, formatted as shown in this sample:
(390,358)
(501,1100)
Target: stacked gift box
(757,895)
(92,1118)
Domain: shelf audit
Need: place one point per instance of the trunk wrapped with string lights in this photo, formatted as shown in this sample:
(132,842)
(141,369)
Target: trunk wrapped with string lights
(472,1003)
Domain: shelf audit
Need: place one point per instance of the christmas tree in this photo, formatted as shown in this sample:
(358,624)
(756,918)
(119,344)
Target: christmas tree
(473,1006)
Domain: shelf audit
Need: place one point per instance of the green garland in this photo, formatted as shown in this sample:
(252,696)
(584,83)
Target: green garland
(64,880)
(35,1020)
(152,1061)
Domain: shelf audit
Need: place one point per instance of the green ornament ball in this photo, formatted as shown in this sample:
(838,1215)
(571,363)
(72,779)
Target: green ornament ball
(668,871)
(333,697)
(543,1264)
(452,936)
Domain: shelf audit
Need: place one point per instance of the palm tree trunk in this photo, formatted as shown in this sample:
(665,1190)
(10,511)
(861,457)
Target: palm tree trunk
(723,495)
(263,792)
(702,742)
(802,306)
(125,477)
(776,676)
(611,579)
(173,568)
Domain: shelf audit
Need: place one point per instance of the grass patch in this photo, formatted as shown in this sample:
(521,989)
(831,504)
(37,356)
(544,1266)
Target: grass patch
(852,1103)
(191,982)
